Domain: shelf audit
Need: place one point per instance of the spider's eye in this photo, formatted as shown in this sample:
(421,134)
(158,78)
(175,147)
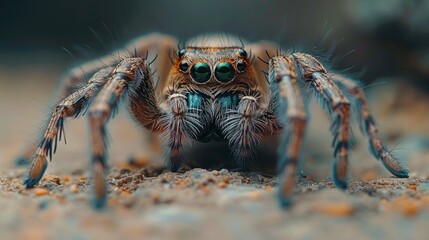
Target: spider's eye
(242,52)
(224,72)
(200,72)
(241,65)
(184,66)
(182,53)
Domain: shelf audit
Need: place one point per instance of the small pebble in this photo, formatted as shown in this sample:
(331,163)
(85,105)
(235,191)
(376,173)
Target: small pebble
(125,194)
(335,209)
(254,195)
(369,175)
(139,162)
(222,185)
(74,188)
(43,203)
(54,179)
(197,175)
(226,179)
(407,206)
(66,179)
(41,192)
(206,190)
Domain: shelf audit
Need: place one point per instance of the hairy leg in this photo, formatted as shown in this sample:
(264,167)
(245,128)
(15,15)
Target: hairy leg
(72,105)
(369,127)
(291,112)
(157,46)
(243,129)
(150,46)
(317,78)
(125,79)
(243,123)
(183,123)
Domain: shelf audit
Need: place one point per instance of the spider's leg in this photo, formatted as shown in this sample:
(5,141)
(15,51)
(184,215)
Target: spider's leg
(124,80)
(243,127)
(149,46)
(292,113)
(317,78)
(72,105)
(369,127)
(155,45)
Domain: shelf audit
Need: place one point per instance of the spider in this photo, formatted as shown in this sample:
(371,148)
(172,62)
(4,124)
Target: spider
(213,90)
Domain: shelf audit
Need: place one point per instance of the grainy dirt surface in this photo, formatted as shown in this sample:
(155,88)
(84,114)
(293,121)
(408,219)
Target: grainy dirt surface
(148,202)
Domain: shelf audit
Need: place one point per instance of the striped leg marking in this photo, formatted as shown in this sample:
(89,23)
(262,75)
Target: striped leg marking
(369,127)
(292,113)
(316,75)
(72,105)
(125,78)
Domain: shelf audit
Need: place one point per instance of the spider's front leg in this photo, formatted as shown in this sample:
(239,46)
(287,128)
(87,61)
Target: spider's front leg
(291,112)
(317,77)
(68,107)
(129,76)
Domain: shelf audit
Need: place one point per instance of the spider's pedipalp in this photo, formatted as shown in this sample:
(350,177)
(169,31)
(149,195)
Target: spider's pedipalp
(368,127)
(179,125)
(291,112)
(243,128)
(70,106)
(313,72)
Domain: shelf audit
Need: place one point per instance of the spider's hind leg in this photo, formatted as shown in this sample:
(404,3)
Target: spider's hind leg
(369,128)
(312,72)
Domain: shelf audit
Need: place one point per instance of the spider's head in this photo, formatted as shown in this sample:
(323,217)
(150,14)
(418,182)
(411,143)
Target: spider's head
(212,66)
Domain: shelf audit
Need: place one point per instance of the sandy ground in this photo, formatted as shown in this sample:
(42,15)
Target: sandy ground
(148,202)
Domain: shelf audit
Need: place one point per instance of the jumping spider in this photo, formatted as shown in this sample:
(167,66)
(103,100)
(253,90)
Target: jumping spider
(213,91)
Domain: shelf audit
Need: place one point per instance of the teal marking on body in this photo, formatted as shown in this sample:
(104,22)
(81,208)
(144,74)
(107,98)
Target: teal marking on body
(194,100)
(228,101)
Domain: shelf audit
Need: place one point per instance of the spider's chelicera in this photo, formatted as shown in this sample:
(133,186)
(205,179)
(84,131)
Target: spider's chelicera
(213,91)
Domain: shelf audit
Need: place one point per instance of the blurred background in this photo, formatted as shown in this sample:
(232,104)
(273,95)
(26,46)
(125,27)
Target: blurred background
(387,38)
(383,44)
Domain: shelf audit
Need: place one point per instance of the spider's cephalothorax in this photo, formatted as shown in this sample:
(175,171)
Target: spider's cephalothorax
(213,90)
(213,94)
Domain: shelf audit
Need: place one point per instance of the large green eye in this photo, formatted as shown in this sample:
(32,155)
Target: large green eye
(224,72)
(200,72)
